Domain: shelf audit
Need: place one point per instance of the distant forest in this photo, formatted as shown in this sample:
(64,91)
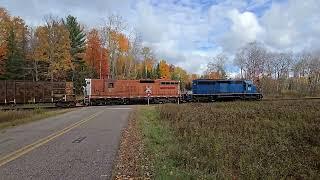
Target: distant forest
(63,50)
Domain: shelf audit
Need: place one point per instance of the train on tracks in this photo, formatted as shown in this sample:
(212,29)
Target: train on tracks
(13,92)
(100,91)
(207,90)
(110,91)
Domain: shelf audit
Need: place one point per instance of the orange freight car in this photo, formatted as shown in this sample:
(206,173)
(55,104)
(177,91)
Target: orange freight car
(108,91)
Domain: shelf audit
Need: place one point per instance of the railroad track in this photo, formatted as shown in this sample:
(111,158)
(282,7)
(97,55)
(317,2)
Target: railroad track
(31,107)
(52,106)
(290,99)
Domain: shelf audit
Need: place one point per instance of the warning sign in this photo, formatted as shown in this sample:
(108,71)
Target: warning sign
(148,91)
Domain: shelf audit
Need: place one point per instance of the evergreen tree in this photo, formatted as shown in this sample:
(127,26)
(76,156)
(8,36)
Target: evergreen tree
(15,62)
(77,38)
(158,71)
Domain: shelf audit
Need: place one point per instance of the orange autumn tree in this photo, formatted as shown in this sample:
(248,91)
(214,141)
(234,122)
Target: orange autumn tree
(123,43)
(4,24)
(214,75)
(123,61)
(96,56)
(164,70)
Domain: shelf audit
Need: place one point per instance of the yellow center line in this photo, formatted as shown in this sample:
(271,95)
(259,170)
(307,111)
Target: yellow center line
(24,150)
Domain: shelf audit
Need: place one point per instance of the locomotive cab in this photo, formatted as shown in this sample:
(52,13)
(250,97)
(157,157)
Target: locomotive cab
(250,87)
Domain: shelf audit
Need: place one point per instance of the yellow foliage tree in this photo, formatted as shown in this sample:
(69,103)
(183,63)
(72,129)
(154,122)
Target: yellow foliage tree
(4,24)
(13,43)
(53,47)
(164,70)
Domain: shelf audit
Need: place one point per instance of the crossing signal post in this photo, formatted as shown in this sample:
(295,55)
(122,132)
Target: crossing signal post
(148,92)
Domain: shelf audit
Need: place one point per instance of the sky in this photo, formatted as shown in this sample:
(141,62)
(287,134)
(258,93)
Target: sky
(189,33)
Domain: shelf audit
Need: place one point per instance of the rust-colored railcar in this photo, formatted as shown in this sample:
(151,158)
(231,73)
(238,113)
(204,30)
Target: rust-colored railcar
(22,92)
(108,91)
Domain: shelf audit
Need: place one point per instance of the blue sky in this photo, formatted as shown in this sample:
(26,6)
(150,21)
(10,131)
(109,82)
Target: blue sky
(189,33)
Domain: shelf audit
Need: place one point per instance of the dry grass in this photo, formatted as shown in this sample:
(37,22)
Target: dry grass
(245,140)
(14,117)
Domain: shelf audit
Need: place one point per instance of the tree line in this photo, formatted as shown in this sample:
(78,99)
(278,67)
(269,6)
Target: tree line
(276,73)
(63,50)
(280,73)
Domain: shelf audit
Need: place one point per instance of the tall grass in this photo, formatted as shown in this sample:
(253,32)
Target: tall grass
(6,116)
(16,117)
(245,140)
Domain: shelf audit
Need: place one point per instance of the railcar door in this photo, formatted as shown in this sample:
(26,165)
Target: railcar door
(11,91)
(224,87)
(3,92)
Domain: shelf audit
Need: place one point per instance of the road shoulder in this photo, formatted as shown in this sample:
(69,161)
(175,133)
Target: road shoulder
(132,162)
(14,118)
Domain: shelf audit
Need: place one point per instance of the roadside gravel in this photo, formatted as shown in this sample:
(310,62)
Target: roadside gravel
(132,161)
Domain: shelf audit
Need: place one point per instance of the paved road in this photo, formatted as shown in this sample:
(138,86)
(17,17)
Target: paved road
(80,144)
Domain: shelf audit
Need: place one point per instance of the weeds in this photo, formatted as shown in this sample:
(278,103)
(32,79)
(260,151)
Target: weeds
(15,117)
(246,140)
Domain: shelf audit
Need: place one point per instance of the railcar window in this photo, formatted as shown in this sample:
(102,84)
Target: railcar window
(146,81)
(168,83)
(205,82)
(110,85)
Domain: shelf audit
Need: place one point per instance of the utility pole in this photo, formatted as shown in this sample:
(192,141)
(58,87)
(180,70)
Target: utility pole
(146,70)
(100,61)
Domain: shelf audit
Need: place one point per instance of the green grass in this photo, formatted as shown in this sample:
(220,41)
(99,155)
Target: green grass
(159,141)
(13,117)
(246,140)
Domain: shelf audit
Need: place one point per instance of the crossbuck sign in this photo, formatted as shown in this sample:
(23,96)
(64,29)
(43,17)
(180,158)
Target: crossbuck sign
(148,91)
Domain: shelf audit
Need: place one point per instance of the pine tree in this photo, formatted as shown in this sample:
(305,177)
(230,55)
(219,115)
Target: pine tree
(15,62)
(158,74)
(77,38)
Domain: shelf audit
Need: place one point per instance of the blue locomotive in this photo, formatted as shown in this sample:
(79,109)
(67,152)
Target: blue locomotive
(206,90)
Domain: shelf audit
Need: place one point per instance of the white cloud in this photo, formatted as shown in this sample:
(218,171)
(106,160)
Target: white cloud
(188,33)
(149,23)
(292,25)
(244,28)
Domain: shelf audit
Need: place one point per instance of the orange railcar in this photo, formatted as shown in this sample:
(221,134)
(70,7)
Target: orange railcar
(108,91)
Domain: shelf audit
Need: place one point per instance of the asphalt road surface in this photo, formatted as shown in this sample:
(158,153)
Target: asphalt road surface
(81,144)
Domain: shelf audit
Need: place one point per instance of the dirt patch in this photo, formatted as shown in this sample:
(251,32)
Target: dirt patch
(132,161)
